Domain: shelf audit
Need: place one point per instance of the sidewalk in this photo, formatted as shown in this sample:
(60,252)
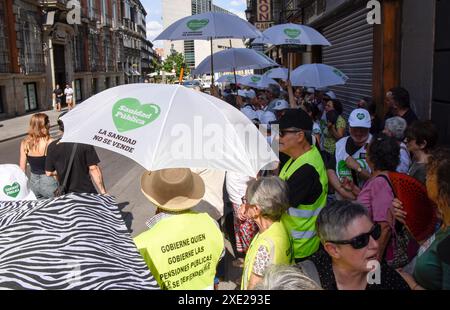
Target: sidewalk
(17,127)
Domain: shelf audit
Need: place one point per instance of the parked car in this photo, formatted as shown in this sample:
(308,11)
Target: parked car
(197,85)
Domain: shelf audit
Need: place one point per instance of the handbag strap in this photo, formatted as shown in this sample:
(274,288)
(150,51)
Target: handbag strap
(72,155)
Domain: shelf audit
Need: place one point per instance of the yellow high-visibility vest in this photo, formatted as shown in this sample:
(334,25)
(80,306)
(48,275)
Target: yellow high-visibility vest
(182,251)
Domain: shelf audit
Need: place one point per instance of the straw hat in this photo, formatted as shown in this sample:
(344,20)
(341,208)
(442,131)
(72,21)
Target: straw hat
(175,189)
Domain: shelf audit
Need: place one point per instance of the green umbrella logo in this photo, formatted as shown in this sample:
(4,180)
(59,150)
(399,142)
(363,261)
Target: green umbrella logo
(12,190)
(197,24)
(360,116)
(292,33)
(129,114)
(255,79)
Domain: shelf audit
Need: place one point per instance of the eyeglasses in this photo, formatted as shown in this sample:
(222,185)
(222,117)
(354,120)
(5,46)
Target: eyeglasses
(283,132)
(362,240)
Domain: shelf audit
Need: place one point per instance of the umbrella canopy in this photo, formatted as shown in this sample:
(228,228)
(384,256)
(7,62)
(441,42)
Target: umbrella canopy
(209,25)
(169,126)
(77,241)
(228,78)
(317,75)
(277,73)
(292,34)
(257,81)
(235,59)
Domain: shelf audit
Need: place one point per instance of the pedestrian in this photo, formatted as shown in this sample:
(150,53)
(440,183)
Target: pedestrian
(430,271)
(377,194)
(286,278)
(265,201)
(273,94)
(245,228)
(395,127)
(306,178)
(14,184)
(421,140)
(34,149)
(182,248)
(397,99)
(348,170)
(68,92)
(350,247)
(84,171)
(57,96)
(334,125)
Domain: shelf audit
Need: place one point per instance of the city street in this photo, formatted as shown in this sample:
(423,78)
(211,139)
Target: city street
(122,176)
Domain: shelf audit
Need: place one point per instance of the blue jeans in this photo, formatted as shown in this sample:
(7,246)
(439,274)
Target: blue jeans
(42,185)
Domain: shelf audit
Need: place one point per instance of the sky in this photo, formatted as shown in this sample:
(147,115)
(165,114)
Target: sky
(154,12)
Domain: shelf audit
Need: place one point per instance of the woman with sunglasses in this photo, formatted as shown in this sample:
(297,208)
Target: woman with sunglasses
(265,202)
(348,259)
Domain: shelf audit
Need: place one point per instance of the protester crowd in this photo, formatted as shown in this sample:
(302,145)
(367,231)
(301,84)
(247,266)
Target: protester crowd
(329,217)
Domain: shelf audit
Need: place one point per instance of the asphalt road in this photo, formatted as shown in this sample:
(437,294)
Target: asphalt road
(121,176)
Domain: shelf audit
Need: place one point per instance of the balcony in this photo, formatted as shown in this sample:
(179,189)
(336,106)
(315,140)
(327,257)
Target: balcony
(56,4)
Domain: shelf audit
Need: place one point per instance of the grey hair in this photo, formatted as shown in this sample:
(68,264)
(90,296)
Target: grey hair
(274,89)
(282,277)
(270,194)
(397,126)
(333,220)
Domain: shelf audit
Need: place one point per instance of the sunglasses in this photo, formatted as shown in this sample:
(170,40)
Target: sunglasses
(283,132)
(362,240)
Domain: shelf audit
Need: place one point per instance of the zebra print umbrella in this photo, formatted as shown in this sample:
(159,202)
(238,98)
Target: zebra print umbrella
(77,241)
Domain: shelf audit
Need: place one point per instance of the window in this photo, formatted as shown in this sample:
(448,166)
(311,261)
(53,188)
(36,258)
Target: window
(2,110)
(31,55)
(78,92)
(4,50)
(30,96)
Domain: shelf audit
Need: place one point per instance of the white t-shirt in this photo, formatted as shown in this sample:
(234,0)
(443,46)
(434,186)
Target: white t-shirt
(68,92)
(236,186)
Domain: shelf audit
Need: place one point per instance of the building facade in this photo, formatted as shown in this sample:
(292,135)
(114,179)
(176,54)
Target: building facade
(410,47)
(42,45)
(194,51)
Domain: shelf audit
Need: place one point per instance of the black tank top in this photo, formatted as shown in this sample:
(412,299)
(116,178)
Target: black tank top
(37,164)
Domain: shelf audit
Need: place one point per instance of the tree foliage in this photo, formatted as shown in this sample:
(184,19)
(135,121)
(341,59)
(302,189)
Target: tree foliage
(174,61)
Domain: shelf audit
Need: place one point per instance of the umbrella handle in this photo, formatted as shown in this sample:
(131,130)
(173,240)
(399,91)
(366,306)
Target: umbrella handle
(212,63)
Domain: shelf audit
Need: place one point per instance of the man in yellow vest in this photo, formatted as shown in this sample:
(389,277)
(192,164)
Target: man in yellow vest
(181,248)
(307,180)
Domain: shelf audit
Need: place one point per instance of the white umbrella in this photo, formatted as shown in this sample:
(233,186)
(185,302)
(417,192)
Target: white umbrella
(229,78)
(209,26)
(169,126)
(235,59)
(317,75)
(277,73)
(257,81)
(292,34)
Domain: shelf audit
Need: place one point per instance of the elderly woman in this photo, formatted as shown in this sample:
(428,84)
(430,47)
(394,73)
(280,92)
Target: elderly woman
(265,201)
(333,125)
(286,278)
(421,139)
(350,248)
(395,127)
(430,271)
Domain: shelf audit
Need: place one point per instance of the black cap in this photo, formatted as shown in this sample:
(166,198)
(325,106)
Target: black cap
(295,118)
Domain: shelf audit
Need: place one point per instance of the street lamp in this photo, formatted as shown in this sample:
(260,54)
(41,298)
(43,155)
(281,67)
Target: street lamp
(248,14)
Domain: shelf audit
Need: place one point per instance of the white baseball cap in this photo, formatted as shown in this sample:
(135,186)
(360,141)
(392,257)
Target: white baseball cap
(360,118)
(281,104)
(14,184)
(251,94)
(330,94)
(310,90)
(267,117)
